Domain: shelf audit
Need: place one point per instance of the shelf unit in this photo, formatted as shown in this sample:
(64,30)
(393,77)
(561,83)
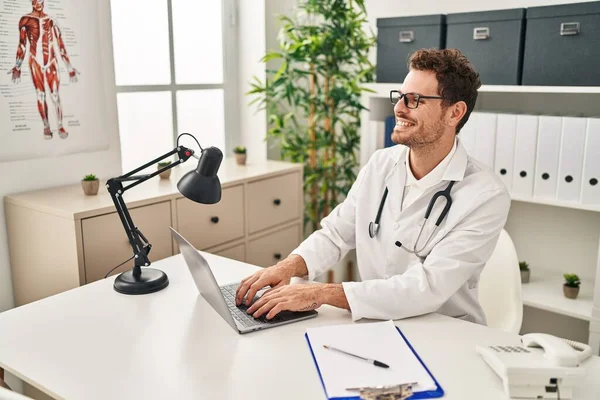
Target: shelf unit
(545,289)
(383,89)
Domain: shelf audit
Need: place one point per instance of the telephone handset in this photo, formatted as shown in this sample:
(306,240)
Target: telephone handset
(543,367)
(560,352)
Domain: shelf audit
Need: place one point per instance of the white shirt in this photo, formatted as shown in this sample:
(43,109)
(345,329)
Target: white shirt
(414,187)
(396,284)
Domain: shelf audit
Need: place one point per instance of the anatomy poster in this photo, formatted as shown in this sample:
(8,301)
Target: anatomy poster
(51,82)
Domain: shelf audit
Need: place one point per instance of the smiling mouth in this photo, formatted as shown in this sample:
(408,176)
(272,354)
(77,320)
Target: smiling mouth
(404,124)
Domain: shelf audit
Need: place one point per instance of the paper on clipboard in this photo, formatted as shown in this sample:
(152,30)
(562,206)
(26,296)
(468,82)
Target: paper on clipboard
(380,341)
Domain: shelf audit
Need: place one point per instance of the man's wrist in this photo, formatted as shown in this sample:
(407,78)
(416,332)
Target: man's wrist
(296,265)
(334,295)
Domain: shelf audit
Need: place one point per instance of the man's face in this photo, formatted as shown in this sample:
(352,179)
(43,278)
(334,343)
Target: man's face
(425,124)
(38,5)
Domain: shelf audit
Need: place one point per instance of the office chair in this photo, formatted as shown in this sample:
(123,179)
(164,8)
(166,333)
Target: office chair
(500,287)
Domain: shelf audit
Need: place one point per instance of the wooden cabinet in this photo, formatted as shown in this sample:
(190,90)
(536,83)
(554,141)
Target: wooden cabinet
(274,201)
(267,250)
(60,239)
(205,225)
(105,244)
(237,252)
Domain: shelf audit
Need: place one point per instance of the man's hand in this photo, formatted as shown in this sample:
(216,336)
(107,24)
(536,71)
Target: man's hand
(275,276)
(16,74)
(289,297)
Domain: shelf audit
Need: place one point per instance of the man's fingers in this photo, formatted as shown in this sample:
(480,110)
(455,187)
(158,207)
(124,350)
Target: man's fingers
(269,305)
(275,289)
(254,288)
(279,307)
(261,301)
(243,288)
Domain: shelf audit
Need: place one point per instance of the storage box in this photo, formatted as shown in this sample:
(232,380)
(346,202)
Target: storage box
(492,41)
(398,38)
(562,45)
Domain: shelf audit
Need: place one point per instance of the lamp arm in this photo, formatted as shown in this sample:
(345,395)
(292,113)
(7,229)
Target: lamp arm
(140,245)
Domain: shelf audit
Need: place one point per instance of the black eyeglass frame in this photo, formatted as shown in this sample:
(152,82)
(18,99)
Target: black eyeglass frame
(418,96)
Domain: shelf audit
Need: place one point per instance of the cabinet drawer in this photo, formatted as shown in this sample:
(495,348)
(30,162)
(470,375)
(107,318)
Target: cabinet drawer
(268,250)
(208,225)
(235,253)
(105,243)
(273,201)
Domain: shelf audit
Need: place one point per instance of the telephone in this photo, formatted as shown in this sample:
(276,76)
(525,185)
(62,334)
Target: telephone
(545,367)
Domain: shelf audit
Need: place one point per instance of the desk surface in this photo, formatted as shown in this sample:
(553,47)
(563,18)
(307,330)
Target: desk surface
(94,343)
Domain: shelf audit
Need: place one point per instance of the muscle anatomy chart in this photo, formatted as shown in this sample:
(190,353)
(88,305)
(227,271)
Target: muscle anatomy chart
(42,95)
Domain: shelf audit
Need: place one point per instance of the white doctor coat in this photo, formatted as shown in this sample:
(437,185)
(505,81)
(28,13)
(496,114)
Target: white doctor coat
(396,284)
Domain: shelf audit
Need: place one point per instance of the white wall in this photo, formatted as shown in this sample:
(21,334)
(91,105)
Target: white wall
(251,48)
(36,174)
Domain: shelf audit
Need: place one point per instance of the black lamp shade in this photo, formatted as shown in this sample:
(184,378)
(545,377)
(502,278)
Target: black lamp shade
(202,185)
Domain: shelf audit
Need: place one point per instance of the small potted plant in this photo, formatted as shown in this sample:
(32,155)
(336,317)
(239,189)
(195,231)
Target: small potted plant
(571,286)
(525,272)
(240,155)
(90,185)
(165,174)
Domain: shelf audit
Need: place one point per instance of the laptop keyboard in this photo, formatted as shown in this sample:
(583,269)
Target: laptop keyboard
(239,312)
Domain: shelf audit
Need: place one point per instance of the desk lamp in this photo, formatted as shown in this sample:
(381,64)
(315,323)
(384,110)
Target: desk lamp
(200,185)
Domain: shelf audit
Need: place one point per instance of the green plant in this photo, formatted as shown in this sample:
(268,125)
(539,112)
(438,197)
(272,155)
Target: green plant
(523,266)
(163,164)
(90,177)
(239,150)
(313,99)
(572,280)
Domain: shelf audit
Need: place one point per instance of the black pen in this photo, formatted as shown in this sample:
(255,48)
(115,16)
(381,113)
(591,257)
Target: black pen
(369,360)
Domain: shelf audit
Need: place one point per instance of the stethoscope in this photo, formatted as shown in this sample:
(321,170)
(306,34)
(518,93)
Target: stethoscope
(374,226)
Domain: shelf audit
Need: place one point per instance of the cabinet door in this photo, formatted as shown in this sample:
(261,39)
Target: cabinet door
(208,225)
(235,253)
(273,201)
(268,250)
(105,243)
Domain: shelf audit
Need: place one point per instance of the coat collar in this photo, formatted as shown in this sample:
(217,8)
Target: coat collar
(395,179)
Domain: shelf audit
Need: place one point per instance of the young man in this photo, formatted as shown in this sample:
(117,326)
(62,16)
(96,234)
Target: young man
(408,265)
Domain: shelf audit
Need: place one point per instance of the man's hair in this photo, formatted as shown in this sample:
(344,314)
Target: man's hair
(457,80)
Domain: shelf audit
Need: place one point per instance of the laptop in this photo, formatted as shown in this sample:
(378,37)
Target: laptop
(222,298)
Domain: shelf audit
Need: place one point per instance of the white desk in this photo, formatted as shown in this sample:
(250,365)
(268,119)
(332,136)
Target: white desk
(93,343)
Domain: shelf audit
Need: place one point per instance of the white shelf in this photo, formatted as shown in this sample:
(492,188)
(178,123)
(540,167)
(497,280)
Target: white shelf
(557,203)
(383,89)
(545,291)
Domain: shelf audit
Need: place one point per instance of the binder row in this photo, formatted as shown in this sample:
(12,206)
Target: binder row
(539,157)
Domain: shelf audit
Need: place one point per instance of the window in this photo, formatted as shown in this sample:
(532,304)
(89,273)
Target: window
(173,71)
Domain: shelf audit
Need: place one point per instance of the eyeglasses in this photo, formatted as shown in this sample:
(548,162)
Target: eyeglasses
(411,100)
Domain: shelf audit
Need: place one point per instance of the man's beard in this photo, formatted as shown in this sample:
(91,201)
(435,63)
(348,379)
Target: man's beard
(423,137)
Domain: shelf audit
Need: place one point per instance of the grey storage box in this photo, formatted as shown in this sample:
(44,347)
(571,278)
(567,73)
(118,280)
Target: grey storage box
(492,41)
(562,45)
(398,38)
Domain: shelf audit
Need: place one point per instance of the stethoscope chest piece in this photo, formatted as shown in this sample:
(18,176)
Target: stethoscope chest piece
(373,229)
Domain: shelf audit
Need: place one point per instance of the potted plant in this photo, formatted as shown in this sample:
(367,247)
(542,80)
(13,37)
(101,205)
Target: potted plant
(240,155)
(165,174)
(525,272)
(312,96)
(90,185)
(571,286)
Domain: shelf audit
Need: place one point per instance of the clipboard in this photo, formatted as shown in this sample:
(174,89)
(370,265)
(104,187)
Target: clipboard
(429,394)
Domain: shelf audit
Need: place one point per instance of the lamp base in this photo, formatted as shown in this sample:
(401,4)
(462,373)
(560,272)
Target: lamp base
(150,281)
